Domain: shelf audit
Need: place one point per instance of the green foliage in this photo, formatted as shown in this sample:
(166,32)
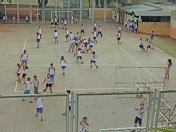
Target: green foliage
(166,130)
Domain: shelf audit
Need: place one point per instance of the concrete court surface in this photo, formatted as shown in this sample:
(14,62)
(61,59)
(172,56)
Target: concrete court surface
(79,77)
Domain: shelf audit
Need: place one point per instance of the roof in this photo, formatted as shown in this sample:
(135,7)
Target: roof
(152,13)
(142,7)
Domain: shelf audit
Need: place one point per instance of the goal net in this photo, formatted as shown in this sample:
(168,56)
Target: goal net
(62,14)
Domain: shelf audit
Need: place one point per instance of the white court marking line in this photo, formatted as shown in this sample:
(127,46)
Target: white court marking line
(23,50)
(68,54)
(134,59)
(91,88)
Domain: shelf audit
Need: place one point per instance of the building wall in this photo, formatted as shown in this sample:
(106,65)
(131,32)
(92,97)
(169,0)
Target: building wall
(160,28)
(100,14)
(173,24)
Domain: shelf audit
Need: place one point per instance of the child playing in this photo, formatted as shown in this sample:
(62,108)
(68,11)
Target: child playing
(95,27)
(63,64)
(55,35)
(39,106)
(24,72)
(18,72)
(93,60)
(65,23)
(4,19)
(40,32)
(51,71)
(118,37)
(141,44)
(78,53)
(49,82)
(139,116)
(99,31)
(90,45)
(69,92)
(62,21)
(13,18)
(76,20)
(148,44)
(36,84)
(55,20)
(66,34)
(82,29)
(71,36)
(83,124)
(119,29)
(27,20)
(77,41)
(169,65)
(38,39)
(72,44)
(27,89)
(94,36)
(85,45)
(51,22)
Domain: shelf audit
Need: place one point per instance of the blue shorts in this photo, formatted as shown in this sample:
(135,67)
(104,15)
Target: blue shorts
(65,24)
(130,26)
(91,46)
(138,119)
(51,23)
(82,31)
(40,110)
(135,29)
(118,38)
(55,37)
(72,43)
(67,36)
(63,67)
(52,76)
(79,57)
(92,61)
(38,40)
(18,73)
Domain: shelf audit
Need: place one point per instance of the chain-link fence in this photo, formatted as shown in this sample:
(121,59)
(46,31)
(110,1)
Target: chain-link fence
(19,116)
(166,109)
(111,110)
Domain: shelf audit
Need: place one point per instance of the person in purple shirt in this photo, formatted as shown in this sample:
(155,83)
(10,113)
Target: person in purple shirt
(152,38)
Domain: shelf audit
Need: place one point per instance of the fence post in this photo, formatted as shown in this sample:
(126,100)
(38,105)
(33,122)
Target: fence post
(67,113)
(149,111)
(72,111)
(76,112)
(153,109)
(157,111)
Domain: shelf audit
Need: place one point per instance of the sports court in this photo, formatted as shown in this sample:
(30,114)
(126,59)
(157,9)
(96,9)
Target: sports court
(79,78)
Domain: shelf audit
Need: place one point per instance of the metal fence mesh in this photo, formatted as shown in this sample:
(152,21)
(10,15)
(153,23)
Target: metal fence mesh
(17,115)
(111,111)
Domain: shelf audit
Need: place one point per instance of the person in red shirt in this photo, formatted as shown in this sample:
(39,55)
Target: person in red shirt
(24,58)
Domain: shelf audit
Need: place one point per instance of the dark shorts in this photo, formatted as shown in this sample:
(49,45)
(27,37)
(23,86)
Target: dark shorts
(85,44)
(48,85)
(92,61)
(38,40)
(4,20)
(63,67)
(91,46)
(26,92)
(23,75)
(79,57)
(69,107)
(125,25)
(27,20)
(94,37)
(152,38)
(133,26)
(40,110)
(51,23)
(65,24)
(40,35)
(18,73)
(120,31)
(141,46)
(95,28)
(138,119)
(76,43)
(67,36)
(130,26)
(135,29)
(118,38)
(148,46)
(35,90)
(55,23)
(82,31)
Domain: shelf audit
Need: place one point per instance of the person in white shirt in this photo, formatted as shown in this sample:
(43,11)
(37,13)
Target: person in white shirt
(76,20)
(141,44)
(120,28)
(38,39)
(83,124)
(93,60)
(69,92)
(24,70)
(27,89)
(65,23)
(78,53)
(55,35)
(52,22)
(77,41)
(95,27)
(85,44)
(24,58)
(71,36)
(17,73)
(49,83)
(40,32)
(94,36)
(51,71)
(135,27)
(72,17)
(66,34)
(39,106)
(39,14)
(72,44)
(126,24)
(99,31)
(27,20)
(4,19)
(86,15)
(82,30)
(148,44)
(35,81)
(139,116)
(118,37)
(13,18)
(63,64)
(90,45)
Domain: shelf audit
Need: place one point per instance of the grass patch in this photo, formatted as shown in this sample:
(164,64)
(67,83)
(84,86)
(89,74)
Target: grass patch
(166,44)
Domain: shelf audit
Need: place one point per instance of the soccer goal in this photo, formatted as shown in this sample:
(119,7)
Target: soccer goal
(62,14)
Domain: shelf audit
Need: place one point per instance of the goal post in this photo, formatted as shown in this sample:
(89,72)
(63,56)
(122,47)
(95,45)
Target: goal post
(62,14)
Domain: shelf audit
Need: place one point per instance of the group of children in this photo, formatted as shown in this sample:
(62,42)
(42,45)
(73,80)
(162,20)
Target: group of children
(131,26)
